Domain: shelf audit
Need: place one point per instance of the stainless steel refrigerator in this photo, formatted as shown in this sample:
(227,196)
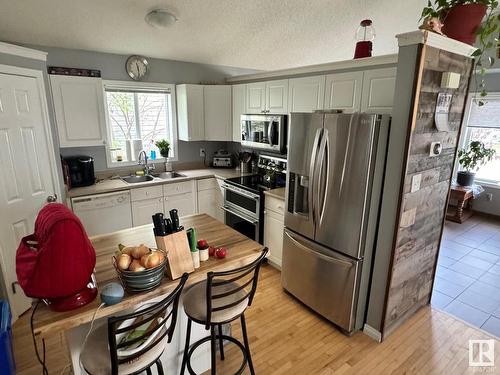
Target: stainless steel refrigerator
(336,164)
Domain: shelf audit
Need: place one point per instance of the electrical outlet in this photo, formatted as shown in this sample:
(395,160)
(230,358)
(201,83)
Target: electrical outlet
(435,149)
(202,153)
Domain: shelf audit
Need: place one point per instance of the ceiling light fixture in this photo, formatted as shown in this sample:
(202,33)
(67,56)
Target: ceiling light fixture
(160,18)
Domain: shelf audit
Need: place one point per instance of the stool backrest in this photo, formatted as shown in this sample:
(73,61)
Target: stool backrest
(160,318)
(227,289)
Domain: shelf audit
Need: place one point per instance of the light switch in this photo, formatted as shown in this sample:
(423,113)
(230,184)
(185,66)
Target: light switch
(415,182)
(450,80)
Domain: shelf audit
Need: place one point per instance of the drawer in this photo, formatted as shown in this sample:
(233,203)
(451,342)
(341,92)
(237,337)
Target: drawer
(207,184)
(146,193)
(275,204)
(178,188)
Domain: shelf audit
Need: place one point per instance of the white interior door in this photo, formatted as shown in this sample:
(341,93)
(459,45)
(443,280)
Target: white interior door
(27,168)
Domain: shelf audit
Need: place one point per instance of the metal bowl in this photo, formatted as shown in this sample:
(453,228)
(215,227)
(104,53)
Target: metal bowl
(142,280)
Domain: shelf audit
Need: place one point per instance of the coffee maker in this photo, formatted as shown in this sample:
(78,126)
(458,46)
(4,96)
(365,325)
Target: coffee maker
(79,171)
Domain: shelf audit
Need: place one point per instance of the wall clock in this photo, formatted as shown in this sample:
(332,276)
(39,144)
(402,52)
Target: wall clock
(137,67)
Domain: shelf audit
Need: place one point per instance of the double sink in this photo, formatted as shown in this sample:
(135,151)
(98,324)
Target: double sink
(164,176)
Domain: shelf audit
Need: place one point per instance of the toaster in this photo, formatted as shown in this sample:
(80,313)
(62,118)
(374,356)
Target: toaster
(222,159)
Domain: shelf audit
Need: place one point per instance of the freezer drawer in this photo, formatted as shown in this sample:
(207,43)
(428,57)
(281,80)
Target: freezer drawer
(321,278)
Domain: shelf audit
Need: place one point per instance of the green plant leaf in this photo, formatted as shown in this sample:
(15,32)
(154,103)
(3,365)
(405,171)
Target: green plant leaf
(477,52)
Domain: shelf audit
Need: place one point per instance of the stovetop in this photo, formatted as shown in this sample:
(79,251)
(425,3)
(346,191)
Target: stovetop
(254,183)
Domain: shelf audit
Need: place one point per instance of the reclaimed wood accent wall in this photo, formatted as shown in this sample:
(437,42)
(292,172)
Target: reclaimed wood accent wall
(421,215)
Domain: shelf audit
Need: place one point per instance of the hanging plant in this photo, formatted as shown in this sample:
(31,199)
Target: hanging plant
(462,21)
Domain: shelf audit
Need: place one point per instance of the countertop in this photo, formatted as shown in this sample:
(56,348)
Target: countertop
(110,185)
(276,193)
(241,251)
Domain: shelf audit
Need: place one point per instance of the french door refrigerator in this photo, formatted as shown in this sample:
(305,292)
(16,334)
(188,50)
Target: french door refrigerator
(336,164)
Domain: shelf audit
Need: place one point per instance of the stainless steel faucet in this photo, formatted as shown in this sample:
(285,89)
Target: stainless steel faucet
(142,159)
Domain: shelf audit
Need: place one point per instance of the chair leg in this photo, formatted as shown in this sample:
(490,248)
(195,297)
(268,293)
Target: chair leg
(159,367)
(148,371)
(212,349)
(186,347)
(247,346)
(221,343)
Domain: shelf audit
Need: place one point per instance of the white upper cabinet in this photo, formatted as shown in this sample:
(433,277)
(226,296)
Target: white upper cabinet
(277,97)
(378,90)
(239,105)
(256,97)
(306,94)
(204,112)
(79,110)
(267,97)
(190,112)
(343,91)
(217,105)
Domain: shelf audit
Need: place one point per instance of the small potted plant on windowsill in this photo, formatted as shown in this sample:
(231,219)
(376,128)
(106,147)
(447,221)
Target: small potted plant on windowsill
(164,147)
(471,158)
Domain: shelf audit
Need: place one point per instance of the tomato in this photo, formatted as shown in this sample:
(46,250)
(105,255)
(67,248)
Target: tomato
(221,252)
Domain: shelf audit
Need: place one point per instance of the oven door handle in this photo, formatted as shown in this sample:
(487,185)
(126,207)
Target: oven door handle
(245,194)
(241,216)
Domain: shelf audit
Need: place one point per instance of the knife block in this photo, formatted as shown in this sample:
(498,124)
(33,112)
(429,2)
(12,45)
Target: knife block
(178,253)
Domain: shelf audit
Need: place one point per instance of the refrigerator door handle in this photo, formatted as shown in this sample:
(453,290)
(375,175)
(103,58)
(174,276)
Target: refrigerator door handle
(323,179)
(312,171)
(319,254)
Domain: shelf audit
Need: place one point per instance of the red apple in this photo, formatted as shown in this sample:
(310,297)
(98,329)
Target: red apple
(202,244)
(221,252)
(211,251)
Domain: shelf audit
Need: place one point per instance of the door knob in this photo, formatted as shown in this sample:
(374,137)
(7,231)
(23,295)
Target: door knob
(52,198)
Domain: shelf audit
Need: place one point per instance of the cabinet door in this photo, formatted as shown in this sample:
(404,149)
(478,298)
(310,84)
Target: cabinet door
(184,203)
(256,97)
(207,202)
(306,94)
(239,103)
(273,236)
(217,107)
(277,97)
(190,112)
(143,210)
(343,91)
(79,110)
(378,90)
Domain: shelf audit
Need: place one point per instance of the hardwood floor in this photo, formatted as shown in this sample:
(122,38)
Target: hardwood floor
(287,338)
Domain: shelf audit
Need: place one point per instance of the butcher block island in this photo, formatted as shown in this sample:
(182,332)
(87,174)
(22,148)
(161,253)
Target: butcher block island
(76,323)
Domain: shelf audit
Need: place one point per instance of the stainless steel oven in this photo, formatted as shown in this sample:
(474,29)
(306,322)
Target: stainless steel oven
(265,132)
(242,211)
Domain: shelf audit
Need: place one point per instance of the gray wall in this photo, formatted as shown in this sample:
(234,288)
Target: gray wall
(112,67)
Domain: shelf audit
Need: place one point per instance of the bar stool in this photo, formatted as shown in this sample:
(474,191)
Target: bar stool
(108,349)
(219,300)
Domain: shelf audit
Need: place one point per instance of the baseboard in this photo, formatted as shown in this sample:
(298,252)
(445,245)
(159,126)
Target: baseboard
(486,214)
(372,332)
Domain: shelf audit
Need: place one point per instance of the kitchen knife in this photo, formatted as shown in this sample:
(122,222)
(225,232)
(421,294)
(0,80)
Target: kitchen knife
(159,224)
(174,216)
(168,226)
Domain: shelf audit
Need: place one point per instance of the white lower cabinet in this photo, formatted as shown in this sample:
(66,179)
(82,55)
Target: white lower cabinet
(210,198)
(184,203)
(142,211)
(182,196)
(274,222)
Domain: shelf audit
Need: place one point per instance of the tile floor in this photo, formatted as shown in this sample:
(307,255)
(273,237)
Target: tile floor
(467,282)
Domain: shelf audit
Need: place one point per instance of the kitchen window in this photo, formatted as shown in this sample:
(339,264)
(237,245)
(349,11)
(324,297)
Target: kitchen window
(483,124)
(138,115)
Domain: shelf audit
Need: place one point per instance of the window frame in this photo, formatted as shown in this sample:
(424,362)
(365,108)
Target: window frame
(466,133)
(124,85)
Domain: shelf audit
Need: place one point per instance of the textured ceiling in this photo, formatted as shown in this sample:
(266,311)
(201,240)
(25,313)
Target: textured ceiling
(258,34)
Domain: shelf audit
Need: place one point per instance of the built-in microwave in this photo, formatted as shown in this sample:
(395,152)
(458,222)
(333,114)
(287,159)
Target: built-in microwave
(265,132)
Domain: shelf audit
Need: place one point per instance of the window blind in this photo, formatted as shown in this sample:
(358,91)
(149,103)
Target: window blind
(486,116)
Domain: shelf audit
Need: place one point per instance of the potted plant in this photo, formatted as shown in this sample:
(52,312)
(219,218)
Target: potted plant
(164,147)
(476,155)
(462,21)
